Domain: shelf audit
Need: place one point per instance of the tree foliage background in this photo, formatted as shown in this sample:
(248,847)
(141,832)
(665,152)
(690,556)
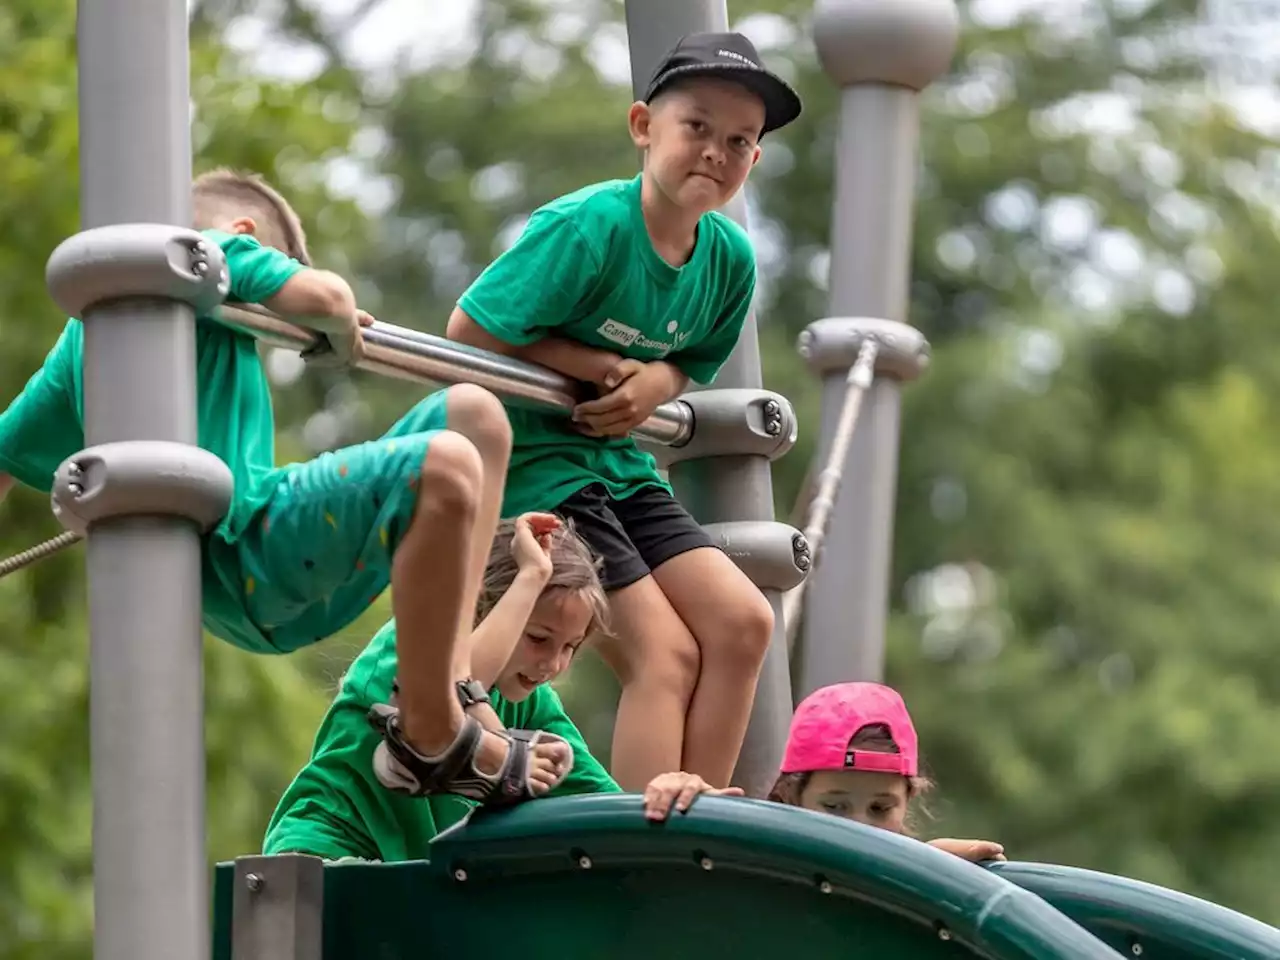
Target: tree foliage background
(1085,575)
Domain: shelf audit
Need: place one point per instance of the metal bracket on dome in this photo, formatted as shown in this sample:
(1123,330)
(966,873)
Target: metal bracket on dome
(831,345)
(141,478)
(137,260)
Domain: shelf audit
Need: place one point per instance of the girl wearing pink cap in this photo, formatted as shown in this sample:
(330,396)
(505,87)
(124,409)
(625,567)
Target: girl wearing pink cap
(852,753)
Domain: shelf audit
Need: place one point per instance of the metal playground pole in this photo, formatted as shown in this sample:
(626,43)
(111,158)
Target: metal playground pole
(722,475)
(881,53)
(142,492)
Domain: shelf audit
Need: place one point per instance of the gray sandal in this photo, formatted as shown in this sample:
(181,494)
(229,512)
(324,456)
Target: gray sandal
(401,768)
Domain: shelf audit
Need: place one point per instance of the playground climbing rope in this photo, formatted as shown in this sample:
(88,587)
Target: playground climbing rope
(41,550)
(822,506)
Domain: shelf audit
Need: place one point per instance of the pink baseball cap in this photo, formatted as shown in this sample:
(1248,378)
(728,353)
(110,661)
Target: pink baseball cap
(827,720)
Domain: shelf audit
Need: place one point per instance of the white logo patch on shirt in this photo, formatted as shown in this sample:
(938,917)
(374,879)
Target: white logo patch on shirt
(626,336)
(618,332)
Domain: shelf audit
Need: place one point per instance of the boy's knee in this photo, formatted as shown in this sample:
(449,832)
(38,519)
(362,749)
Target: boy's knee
(746,627)
(674,665)
(452,474)
(479,415)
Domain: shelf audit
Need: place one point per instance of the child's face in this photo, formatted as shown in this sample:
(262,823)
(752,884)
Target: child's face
(552,636)
(876,799)
(702,139)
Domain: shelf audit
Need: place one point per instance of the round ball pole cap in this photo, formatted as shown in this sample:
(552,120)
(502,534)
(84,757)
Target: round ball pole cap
(907,43)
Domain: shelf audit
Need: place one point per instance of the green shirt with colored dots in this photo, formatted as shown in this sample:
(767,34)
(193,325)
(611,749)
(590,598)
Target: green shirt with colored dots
(336,807)
(45,423)
(584,268)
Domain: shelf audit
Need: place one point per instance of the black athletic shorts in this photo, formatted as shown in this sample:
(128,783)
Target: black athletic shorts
(635,536)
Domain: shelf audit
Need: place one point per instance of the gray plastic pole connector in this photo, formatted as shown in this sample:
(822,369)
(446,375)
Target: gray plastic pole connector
(831,345)
(773,555)
(277,908)
(880,53)
(137,260)
(141,478)
(734,422)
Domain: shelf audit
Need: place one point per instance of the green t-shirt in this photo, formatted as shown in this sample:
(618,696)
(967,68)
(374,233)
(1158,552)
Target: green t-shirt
(45,423)
(336,807)
(584,268)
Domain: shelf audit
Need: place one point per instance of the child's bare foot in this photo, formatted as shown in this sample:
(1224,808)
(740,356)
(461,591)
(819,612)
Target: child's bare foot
(453,753)
(549,759)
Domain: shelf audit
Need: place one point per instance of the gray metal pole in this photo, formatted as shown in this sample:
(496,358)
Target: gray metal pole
(732,492)
(151,899)
(881,53)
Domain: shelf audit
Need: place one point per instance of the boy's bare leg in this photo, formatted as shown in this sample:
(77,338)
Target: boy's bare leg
(656,660)
(430,577)
(478,415)
(733,624)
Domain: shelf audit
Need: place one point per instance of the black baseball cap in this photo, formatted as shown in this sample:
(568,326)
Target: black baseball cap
(729,56)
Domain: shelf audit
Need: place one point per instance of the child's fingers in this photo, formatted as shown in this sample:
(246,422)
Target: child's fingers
(543,523)
(609,402)
(688,794)
(624,370)
(974,851)
(988,850)
(657,801)
(613,423)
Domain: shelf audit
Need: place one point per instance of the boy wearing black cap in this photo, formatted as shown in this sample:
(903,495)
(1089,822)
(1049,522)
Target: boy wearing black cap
(638,287)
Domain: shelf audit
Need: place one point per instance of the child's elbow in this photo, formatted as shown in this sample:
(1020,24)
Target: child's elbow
(461,328)
(335,298)
(314,293)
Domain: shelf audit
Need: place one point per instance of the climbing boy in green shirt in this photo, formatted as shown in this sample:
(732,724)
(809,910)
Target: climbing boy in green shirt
(637,287)
(304,548)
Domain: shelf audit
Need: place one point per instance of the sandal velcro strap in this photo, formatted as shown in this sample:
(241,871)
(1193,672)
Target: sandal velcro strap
(513,787)
(471,692)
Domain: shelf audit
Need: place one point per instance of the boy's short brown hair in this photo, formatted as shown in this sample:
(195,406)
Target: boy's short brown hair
(224,193)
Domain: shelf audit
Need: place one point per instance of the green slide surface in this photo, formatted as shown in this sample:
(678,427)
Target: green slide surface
(1143,920)
(589,877)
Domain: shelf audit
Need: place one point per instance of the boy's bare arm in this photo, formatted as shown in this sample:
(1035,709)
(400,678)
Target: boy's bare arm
(494,640)
(573,359)
(321,301)
(315,294)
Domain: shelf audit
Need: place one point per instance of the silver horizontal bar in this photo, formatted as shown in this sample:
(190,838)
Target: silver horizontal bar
(407,354)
